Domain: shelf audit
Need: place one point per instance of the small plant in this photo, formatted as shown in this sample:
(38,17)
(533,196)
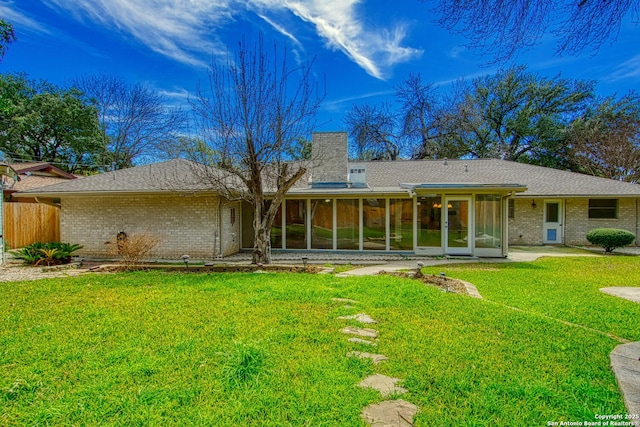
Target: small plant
(610,238)
(243,364)
(133,248)
(53,253)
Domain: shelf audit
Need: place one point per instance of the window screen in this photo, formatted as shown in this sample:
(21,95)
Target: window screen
(603,208)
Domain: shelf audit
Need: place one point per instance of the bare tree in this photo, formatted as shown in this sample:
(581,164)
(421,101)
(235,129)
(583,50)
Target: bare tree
(606,141)
(135,118)
(501,28)
(375,132)
(424,115)
(252,115)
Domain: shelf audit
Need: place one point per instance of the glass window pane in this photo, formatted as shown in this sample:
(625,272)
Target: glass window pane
(276,230)
(401,218)
(296,231)
(321,224)
(603,208)
(348,224)
(458,227)
(373,220)
(552,212)
(488,221)
(429,218)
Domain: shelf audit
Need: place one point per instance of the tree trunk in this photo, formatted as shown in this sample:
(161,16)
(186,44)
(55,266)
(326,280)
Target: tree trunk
(262,236)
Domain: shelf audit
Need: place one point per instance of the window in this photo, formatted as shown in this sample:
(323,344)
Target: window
(603,208)
(512,208)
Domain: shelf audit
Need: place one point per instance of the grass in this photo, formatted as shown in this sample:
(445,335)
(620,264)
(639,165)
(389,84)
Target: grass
(265,349)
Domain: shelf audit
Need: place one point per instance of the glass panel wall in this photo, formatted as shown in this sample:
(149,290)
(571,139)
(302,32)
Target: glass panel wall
(401,224)
(321,224)
(429,219)
(374,224)
(348,218)
(296,224)
(276,230)
(488,221)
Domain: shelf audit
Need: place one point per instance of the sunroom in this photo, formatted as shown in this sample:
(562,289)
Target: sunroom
(421,219)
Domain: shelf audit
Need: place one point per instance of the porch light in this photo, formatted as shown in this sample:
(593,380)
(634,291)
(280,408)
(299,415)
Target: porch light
(533,204)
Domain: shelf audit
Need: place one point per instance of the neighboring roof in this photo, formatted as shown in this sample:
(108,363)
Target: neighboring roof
(382,177)
(177,175)
(43,168)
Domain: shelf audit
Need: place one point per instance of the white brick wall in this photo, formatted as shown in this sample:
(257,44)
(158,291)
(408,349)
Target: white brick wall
(526,227)
(184,224)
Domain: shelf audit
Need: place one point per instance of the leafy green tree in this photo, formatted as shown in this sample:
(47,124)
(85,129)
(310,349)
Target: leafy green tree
(517,115)
(43,122)
(605,141)
(7,36)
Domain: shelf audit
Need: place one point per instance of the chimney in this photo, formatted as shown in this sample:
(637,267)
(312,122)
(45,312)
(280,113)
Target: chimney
(330,160)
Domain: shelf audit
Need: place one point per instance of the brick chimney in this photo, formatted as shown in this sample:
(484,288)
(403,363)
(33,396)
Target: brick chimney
(330,156)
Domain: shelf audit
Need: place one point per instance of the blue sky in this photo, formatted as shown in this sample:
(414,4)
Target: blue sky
(362,48)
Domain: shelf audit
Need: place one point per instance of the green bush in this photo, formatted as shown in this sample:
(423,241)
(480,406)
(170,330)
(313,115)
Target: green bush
(46,253)
(610,238)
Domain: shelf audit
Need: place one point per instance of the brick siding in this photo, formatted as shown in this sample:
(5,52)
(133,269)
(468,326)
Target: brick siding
(184,224)
(526,227)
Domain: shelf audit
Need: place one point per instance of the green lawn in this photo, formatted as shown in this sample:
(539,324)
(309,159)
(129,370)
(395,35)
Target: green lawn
(265,349)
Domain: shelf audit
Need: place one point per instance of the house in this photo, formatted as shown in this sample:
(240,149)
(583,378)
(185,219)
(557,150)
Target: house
(427,207)
(34,175)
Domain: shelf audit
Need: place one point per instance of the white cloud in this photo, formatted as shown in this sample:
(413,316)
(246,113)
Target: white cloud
(629,69)
(185,29)
(19,20)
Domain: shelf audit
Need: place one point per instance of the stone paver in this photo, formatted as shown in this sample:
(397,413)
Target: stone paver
(362,332)
(392,413)
(384,384)
(360,317)
(625,362)
(361,341)
(345,300)
(630,293)
(375,358)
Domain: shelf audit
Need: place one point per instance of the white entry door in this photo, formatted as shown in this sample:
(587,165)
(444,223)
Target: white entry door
(552,225)
(458,236)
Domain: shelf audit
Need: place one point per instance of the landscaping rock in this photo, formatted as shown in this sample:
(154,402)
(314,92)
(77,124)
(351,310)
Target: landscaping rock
(376,358)
(384,384)
(361,341)
(347,300)
(362,332)
(360,317)
(392,413)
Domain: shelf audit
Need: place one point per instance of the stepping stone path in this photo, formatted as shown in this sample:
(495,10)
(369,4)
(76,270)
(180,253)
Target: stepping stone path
(361,341)
(390,413)
(384,384)
(375,358)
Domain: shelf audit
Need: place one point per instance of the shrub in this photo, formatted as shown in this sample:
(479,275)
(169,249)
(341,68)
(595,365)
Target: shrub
(133,248)
(610,238)
(52,253)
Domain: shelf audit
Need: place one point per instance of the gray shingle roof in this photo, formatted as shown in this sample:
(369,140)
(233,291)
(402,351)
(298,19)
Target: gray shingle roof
(385,176)
(540,181)
(170,176)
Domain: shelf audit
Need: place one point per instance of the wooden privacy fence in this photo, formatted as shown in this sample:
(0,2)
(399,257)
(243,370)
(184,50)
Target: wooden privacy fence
(26,223)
